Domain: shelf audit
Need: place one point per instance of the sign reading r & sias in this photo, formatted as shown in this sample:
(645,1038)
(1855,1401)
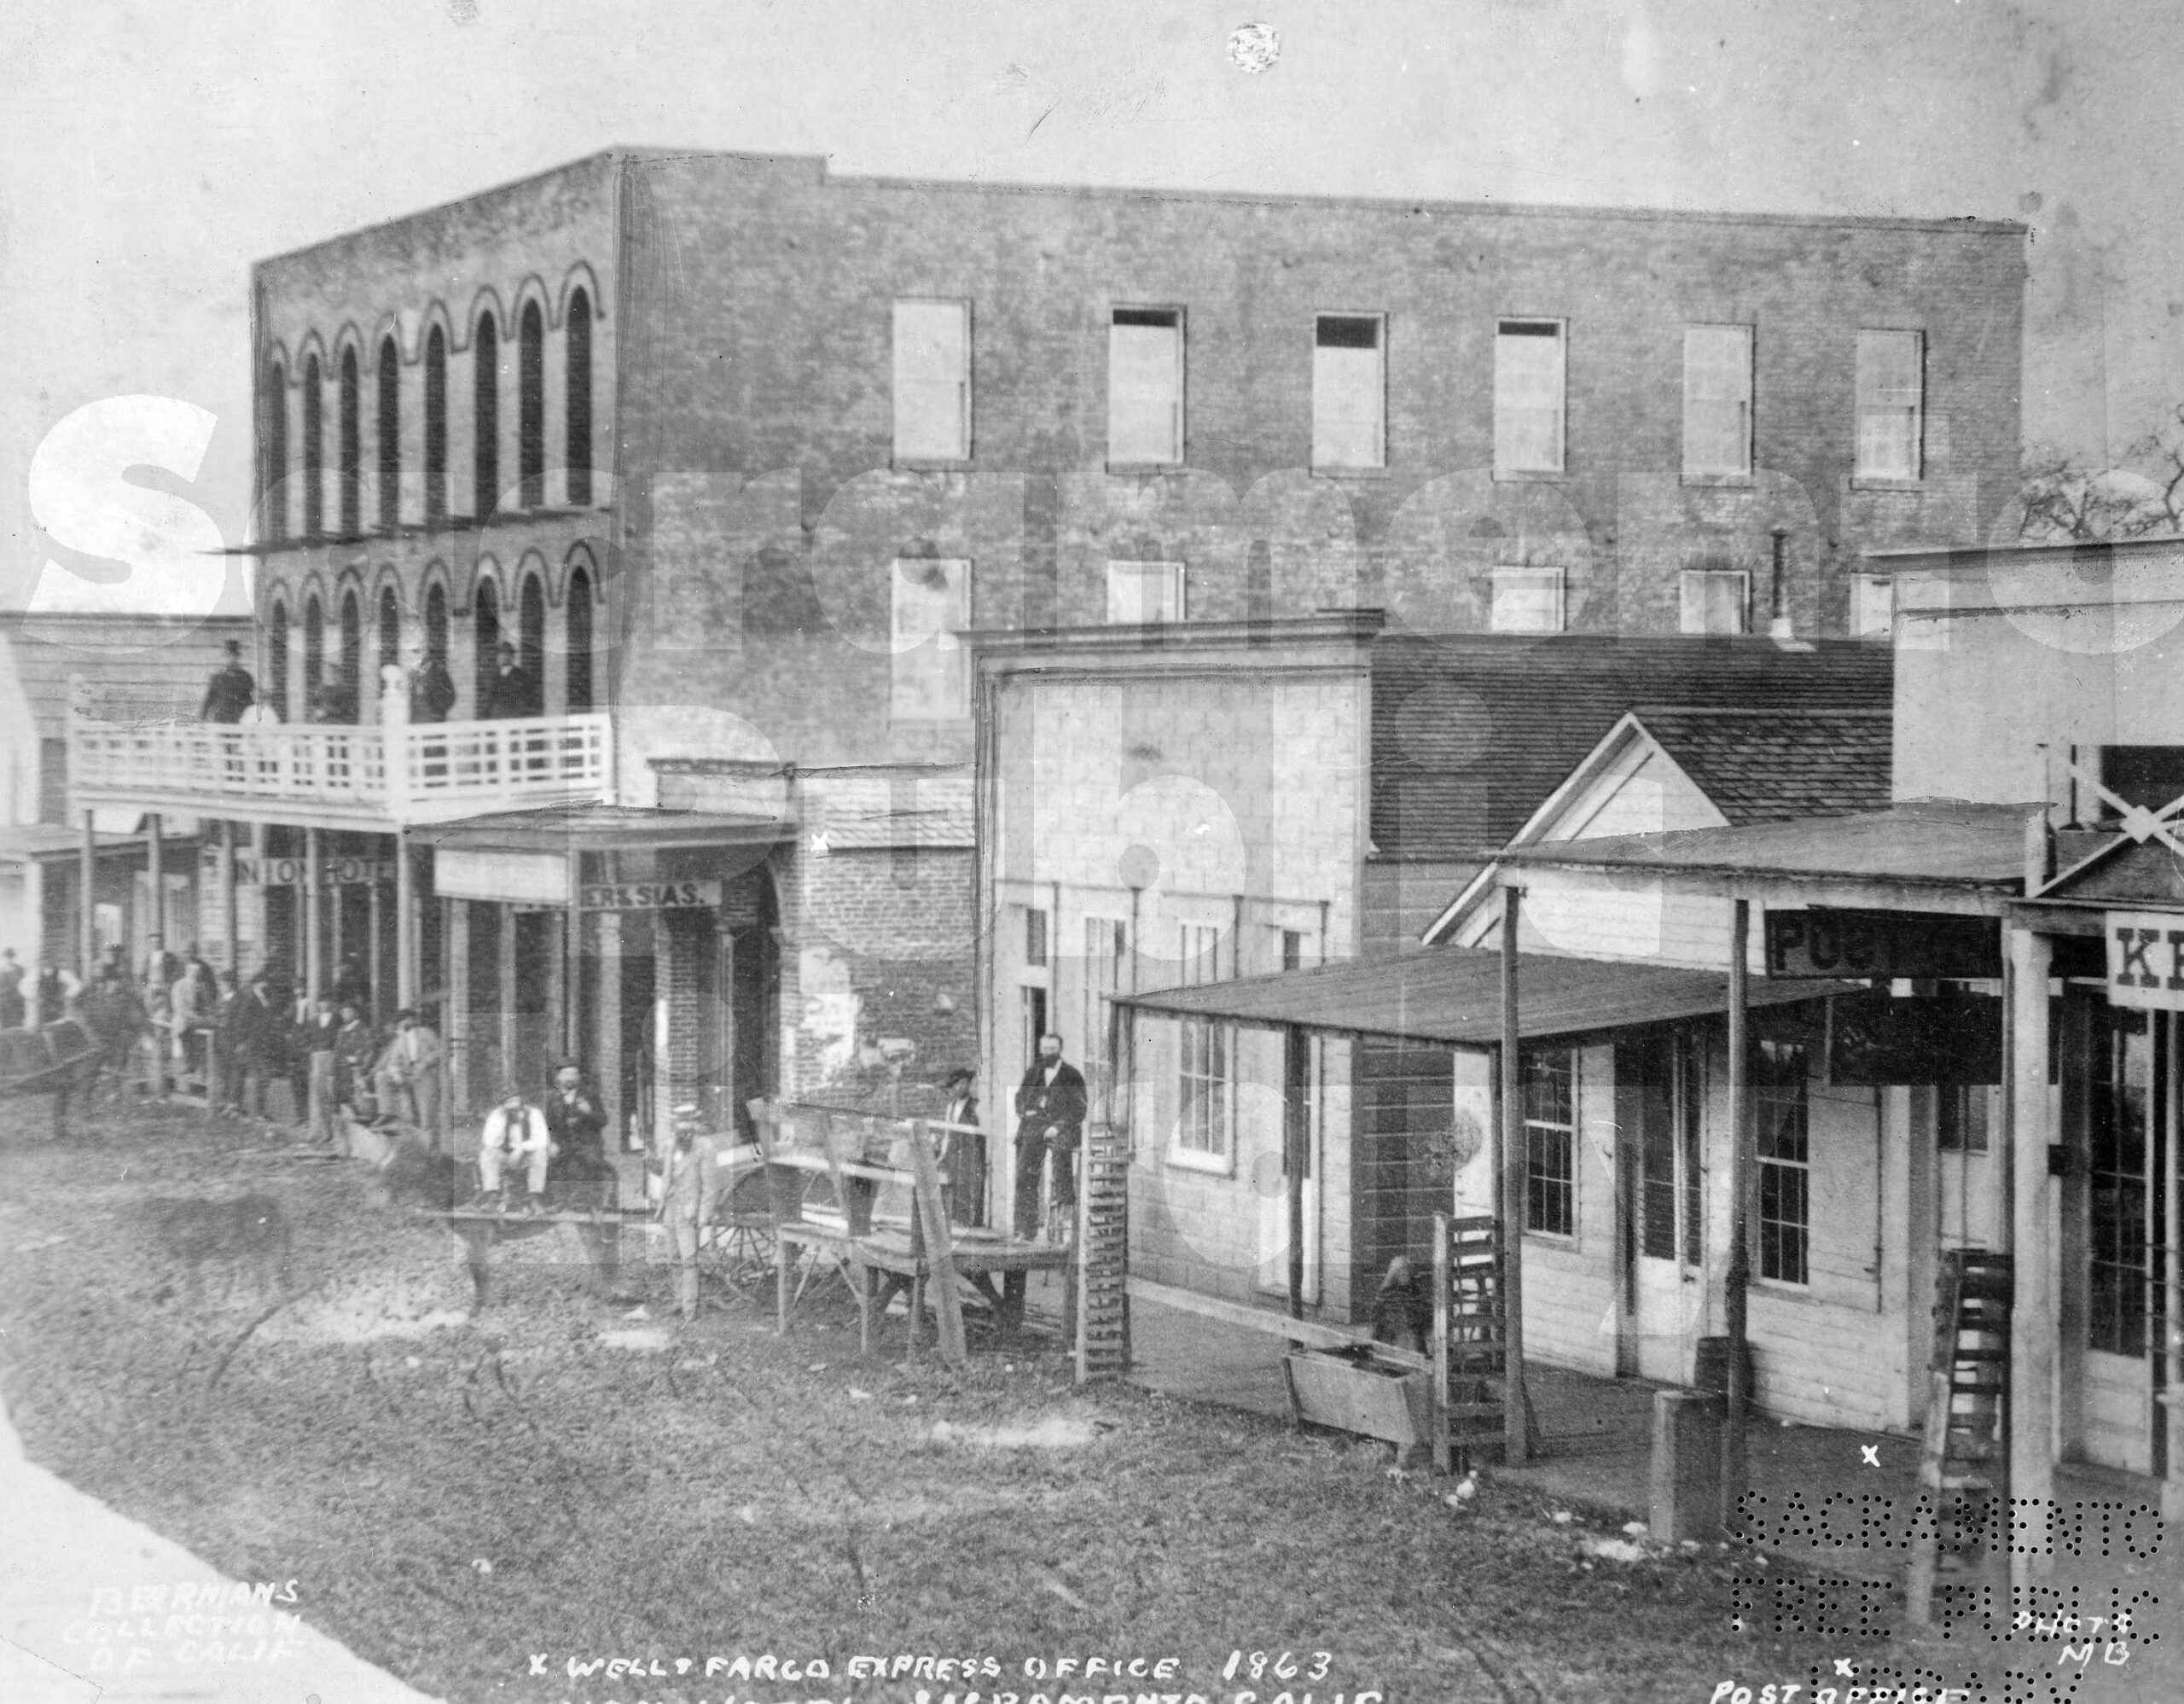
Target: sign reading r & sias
(648,896)
(2145,959)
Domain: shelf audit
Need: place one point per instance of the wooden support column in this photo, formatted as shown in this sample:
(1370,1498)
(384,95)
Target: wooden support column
(2024,1220)
(1296,1137)
(405,921)
(573,963)
(156,869)
(504,980)
(232,945)
(87,880)
(314,948)
(1738,1280)
(461,1027)
(1516,1405)
(375,966)
(606,1028)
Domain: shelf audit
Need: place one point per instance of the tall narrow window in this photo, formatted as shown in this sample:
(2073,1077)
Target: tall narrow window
(932,669)
(314,452)
(1718,401)
(578,696)
(436,624)
(485,628)
(531,406)
(1207,1098)
(1528,397)
(314,651)
(390,628)
(350,687)
(435,428)
(1550,1088)
(1035,937)
(2123,1135)
(276,661)
(932,381)
(530,640)
(390,435)
(1892,404)
(1106,940)
(577,338)
(1144,592)
(1716,601)
(486,417)
(351,448)
(1145,386)
(1350,392)
(276,452)
(1785,1162)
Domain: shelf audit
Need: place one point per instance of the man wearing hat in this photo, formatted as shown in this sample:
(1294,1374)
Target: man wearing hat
(514,692)
(514,1136)
(408,1075)
(574,1121)
(963,1148)
(690,1191)
(231,691)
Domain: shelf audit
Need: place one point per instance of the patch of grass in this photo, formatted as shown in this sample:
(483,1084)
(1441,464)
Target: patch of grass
(725,1497)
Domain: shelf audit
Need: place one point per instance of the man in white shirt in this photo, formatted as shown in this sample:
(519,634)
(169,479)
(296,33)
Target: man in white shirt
(514,1136)
(408,1076)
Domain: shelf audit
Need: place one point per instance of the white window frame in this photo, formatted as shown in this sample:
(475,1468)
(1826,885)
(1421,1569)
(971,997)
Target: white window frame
(1107,947)
(1695,579)
(1205,1056)
(926,370)
(1165,445)
(932,668)
(1892,413)
(1563,1135)
(1793,1099)
(1512,584)
(1350,440)
(1717,409)
(1135,587)
(1518,403)
(1872,606)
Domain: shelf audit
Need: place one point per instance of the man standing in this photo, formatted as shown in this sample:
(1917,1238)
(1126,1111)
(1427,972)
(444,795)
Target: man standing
(161,969)
(251,1043)
(13,1008)
(410,1075)
(514,1136)
(316,1034)
(963,1148)
(232,690)
(515,694)
(1050,1108)
(356,1050)
(689,1196)
(574,1121)
(431,689)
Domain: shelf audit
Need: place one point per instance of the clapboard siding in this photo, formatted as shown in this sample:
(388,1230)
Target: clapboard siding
(1399,898)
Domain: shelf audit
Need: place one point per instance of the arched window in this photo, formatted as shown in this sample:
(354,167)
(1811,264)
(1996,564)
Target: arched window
(390,629)
(314,651)
(530,640)
(578,351)
(314,453)
(579,695)
(352,658)
(276,661)
(435,428)
(485,452)
(531,407)
(276,452)
(485,626)
(351,449)
(436,624)
(390,435)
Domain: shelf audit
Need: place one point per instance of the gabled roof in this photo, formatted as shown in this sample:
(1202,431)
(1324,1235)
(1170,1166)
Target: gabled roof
(1472,733)
(1768,764)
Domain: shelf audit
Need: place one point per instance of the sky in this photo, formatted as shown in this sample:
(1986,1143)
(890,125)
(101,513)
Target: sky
(149,153)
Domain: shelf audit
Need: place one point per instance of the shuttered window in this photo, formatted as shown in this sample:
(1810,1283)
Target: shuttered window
(1349,392)
(1145,386)
(1528,397)
(1891,404)
(932,381)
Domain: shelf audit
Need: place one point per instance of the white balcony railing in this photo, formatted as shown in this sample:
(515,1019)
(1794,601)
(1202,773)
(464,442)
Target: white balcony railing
(431,773)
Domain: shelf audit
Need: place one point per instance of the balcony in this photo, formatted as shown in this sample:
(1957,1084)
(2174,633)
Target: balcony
(376,779)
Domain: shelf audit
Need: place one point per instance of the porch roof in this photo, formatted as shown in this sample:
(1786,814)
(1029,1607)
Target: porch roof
(603,828)
(1453,995)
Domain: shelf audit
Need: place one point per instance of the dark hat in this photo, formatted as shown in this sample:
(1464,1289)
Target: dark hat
(961,1073)
(406,1012)
(507,647)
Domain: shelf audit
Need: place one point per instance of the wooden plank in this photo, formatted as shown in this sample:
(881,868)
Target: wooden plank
(1306,1331)
(933,1212)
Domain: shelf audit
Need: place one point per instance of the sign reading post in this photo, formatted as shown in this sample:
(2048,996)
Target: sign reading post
(1830,943)
(2145,959)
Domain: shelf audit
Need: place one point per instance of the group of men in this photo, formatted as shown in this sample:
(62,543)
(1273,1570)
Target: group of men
(231,694)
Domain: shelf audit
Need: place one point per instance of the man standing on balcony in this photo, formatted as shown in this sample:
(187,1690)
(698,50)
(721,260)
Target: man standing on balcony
(232,690)
(431,689)
(515,694)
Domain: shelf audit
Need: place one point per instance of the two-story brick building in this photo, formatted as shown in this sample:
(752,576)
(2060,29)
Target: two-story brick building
(730,449)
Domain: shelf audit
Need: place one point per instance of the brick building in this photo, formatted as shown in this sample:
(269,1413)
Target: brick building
(730,449)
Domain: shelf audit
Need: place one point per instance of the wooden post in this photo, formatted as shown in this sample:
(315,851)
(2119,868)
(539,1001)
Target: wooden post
(232,947)
(156,870)
(1295,1082)
(375,961)
(940,1261)
(1443,1454)
(87,878)
(2024,1228)
(1516,1405)
(405,921)
(572,975)
(314,948)
(1738,1280)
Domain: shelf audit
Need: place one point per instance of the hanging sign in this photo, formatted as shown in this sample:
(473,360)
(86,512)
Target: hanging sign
(648,896)
(2145,959)
(1922,945)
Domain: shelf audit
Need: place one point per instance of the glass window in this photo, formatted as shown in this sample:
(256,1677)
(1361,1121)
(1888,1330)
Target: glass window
(276,452)
(1718,400)
(1550,1080)
(577,353)
(1106,940)
(1349,392)
(1785,1162)
(349,446)
(435,428)
(314,452)
(485,418)
(1145,386)
(2122,1132)
(1716,601)
(531,407)
(1891,404)
(1035,935)
(1142,592)
(1528,397)
(390,435)
(932,381)
(1208,1097)
(1527,601)
(932,669)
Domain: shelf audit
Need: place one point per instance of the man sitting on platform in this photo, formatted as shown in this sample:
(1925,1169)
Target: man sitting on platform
(515,1135)
(574,1121)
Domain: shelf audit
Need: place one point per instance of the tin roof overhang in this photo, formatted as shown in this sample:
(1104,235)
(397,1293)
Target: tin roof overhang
(603,828)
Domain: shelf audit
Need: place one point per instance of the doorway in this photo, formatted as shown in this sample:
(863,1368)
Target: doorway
(1659,1094)
(754,1020)
(2129,1124)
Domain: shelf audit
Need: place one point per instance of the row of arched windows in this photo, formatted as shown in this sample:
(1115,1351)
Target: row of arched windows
(485,424)
(337,693)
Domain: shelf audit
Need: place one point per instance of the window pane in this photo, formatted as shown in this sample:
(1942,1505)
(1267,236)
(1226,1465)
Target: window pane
(1717,399)
(1714,602)
(1141,592)
(1145,386)
(1528,398)
(933,381)
(932,669)
(1527,601)
(1349,398)
(1891,401)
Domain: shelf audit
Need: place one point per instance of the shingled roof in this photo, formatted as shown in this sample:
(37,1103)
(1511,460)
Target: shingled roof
(1471,732)
(1770,765)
